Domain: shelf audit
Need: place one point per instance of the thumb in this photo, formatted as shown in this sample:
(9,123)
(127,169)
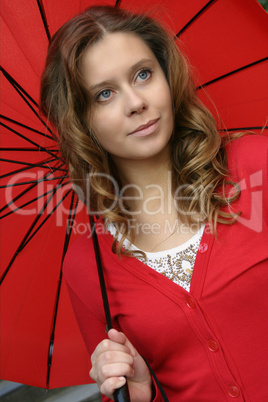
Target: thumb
(121,338)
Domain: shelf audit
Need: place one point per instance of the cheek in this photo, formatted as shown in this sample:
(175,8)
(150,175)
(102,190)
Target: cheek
(106,120)
(105,126)
(99,124)
(161,96)
(167,97)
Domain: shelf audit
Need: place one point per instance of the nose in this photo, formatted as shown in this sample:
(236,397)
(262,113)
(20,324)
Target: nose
(135,102)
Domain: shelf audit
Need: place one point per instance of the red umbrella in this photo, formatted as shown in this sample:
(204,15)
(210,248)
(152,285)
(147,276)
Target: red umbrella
(225,41)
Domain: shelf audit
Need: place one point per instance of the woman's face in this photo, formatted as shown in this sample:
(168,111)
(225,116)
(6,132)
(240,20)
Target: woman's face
(132,114)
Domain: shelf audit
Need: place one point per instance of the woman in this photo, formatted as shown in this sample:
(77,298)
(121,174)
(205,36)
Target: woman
(184,264)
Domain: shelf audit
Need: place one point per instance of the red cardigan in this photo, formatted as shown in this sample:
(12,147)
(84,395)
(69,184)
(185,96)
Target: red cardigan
(207,345)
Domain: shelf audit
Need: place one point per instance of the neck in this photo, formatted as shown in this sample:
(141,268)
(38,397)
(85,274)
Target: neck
(146,182)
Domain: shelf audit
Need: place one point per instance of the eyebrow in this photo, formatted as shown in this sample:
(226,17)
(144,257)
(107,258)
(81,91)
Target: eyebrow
(109,81)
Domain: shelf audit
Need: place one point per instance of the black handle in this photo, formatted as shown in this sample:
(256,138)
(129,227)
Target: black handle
(122,394)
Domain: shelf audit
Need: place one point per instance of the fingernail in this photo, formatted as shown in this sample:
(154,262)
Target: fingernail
(120,382)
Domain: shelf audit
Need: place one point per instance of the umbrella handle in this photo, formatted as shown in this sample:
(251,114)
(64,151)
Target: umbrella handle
(122,394)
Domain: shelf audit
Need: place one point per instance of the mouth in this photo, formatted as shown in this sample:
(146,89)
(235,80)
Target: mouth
(146,129)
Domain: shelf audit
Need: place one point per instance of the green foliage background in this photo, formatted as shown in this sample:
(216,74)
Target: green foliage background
(264,3)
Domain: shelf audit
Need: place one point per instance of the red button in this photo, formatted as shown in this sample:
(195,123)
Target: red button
(213,346)
(190,302)
(203,248)
(233,391)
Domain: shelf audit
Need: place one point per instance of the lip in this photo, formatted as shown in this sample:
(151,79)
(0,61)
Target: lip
(145,129)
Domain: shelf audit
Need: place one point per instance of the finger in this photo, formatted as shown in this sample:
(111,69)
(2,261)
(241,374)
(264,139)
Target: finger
(117,336)
(121,338)
(111,357)
(114,370)
(108,345)
(141,370)
(108,359)
(109,386)
(106,365)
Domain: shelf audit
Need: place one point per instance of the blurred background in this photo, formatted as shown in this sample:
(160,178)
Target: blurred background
(264,3)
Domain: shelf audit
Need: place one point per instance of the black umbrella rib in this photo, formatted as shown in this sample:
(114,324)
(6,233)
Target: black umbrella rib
(244,128)
(118,3)
(22,91)
(50,214)
(30,234)
(28,140)
(28,168)
(71,217)
(44,18)
(28,150)
(232,72)
(25,126)
(27,203)
(54,169)
(197,15)
(34,181)
(14,83)
(43,164)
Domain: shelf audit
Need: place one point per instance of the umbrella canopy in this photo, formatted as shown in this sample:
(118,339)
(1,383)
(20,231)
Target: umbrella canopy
(226,44)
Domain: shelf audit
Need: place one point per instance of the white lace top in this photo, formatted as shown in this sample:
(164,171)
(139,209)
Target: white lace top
(176,264)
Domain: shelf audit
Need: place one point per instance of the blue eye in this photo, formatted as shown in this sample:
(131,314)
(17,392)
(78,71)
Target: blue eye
(144,74)
(104,95)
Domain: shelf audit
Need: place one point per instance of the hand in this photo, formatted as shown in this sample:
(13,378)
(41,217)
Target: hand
(115,358)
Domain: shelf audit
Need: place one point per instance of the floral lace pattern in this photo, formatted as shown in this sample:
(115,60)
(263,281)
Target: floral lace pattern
(176,264)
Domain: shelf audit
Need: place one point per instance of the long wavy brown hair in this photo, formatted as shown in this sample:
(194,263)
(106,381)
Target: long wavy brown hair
(199,163)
